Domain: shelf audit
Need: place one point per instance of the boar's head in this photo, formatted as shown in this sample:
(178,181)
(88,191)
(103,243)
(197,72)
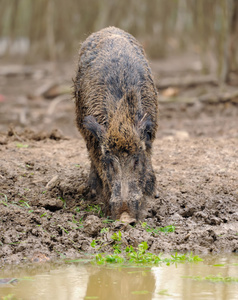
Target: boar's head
(125,158)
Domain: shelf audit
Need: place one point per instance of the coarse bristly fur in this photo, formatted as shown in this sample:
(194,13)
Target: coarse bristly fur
(116,113)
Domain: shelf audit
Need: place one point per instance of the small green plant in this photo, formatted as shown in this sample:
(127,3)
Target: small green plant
(116,240)
(193,258)
(76,224)
(157,230)
(93,244)
(117,248)
(14,243)
(73,220)
(77,209)
(95,209)
(61,254)
(166,229)
(9,297)
(129,249)
(66,231)
(4,200)
(19,145)
(109,258)
(24,203)
(104,230)
(214,278)
(140,292)
(64,201)
(108,221)
(116,236)
(140,256)
(164,293)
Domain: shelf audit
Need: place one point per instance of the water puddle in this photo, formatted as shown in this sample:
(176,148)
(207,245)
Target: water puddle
(214,278)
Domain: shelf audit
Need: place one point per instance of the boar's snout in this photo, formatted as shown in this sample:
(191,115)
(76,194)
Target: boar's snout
(125,217)
(126,202)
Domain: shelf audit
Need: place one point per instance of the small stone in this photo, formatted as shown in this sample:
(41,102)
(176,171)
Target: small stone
(215,221)
(176,217)
(182,135)
(52,182)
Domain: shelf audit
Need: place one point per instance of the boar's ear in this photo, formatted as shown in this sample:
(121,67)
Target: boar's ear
(92,125)
(145,128)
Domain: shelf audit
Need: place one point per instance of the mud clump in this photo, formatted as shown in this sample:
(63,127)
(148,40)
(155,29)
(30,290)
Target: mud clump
(116,108)
(92,225)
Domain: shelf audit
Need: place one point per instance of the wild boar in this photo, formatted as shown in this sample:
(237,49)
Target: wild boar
(116,113)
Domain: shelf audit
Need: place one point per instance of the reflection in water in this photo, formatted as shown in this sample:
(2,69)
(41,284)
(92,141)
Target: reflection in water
(178,286)
(121,283)
(48,282)
(93,282)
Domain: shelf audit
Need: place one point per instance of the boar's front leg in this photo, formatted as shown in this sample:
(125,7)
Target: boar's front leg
(94,182)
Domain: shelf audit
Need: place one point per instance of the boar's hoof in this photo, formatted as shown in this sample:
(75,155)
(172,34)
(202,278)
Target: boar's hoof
(125,217)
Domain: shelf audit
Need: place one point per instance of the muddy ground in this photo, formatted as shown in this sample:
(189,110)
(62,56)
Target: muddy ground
(44,210)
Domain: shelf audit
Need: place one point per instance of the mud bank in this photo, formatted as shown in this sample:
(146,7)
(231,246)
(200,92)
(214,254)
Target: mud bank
(45,213)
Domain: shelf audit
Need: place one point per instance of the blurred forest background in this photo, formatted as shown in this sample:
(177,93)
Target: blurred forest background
(32,31)
(191,46)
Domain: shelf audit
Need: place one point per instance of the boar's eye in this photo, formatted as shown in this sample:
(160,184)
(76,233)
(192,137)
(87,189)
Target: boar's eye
(136,162)
(148,135)
(111,164)
(145,127)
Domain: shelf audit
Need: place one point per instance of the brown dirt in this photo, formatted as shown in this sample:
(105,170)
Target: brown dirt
(44,210)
